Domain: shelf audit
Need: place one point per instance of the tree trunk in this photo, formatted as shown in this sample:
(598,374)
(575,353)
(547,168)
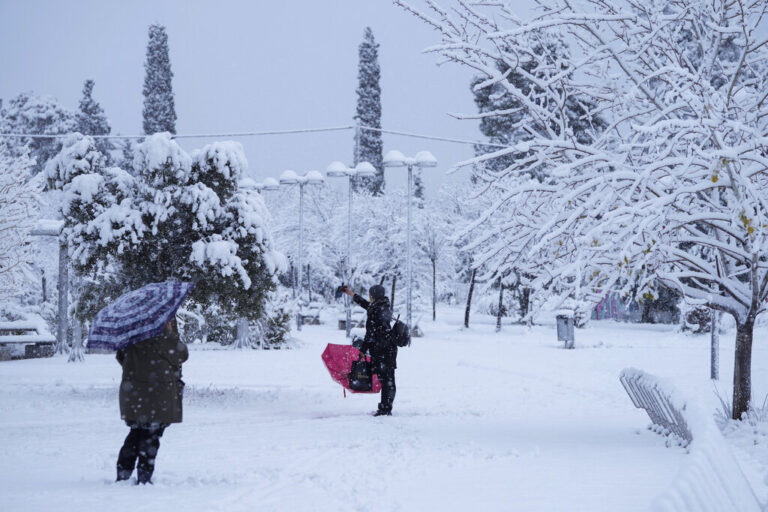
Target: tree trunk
(76,353)
(469,298)
(714,360)
(646,316)
(62,333)
(529,307)
(501,306)
(392,297)
(309,281)
(242,338)
(742,369)
(434,289)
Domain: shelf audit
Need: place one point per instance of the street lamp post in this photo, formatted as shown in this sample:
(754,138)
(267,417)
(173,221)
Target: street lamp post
(310,178)
(339,170)
(422,159)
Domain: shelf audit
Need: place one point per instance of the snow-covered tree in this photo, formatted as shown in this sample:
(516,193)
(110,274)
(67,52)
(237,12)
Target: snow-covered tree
(125,160)
(675,188)
(368,143)
(39,115)
(159,110)
(91,119)
(434,241)
(19,201)
(180,217)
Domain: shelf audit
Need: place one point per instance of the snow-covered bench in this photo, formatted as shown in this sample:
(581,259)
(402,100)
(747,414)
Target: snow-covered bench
(310,314)
(25,339)
(357,320)
(660,401)
(711,479)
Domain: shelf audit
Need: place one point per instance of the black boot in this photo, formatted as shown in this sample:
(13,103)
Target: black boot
(144,478)
(383,410)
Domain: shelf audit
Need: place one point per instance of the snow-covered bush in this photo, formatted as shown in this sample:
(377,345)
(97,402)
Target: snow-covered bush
(179,217)
(675,188)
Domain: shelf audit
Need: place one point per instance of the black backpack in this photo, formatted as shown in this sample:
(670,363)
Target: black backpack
(400,334)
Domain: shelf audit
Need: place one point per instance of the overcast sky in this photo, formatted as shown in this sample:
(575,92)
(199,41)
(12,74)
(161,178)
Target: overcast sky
(244,66)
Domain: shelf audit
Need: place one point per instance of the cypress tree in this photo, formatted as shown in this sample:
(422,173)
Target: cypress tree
(92,121)
(368,144)
(159,110)
(511,128)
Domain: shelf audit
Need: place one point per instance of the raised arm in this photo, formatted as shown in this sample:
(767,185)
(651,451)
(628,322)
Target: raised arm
(357,298)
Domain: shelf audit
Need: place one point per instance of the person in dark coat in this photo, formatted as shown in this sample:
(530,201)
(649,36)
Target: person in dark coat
(377,342)
(150,399)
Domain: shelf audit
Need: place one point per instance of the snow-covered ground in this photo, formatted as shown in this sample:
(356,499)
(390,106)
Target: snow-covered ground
(483,421)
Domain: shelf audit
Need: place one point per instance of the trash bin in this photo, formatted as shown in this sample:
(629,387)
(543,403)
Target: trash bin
(565,330)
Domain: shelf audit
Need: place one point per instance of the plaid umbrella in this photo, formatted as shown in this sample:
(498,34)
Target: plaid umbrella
(137,315)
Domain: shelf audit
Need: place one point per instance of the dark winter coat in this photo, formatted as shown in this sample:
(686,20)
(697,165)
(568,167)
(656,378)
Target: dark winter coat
(377,328)
(151,389)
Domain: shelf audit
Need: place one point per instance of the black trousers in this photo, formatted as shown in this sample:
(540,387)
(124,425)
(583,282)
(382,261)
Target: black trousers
(142,444)
(387,377)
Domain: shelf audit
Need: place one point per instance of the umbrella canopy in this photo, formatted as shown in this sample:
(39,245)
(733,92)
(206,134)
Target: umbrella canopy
(338,359)
(138,315)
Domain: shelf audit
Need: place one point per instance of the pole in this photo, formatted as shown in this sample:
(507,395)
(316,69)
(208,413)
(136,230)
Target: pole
(347,267)
(61,334)
(408,264)
(301,248)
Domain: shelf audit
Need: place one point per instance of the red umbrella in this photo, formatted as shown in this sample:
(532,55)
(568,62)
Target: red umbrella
(338,359)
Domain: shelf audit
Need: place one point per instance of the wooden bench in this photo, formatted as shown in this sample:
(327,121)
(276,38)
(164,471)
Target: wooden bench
(24,340)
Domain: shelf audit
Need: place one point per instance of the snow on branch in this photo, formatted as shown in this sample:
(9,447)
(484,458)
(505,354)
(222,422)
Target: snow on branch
(638,148)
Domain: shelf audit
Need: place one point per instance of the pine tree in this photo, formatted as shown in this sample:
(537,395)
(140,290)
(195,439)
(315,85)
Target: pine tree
(92,121)
(127,148)
(512,124)
(159,110)
(368,144)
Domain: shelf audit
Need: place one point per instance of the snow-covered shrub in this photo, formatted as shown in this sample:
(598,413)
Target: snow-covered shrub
(177,217)
(696,319)
(277,326)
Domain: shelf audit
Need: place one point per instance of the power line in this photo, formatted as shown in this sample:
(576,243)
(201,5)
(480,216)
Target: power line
(185,136)
(433,137)
(269,132)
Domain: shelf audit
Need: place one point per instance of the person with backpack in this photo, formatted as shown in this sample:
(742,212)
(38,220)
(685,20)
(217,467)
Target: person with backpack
(379,343)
